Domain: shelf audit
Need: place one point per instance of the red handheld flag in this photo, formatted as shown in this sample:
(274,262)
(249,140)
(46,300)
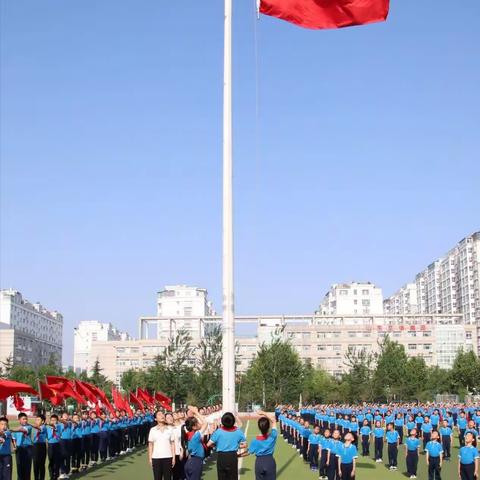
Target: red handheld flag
(85,392)
(135,400)
(50,394)
(18,403)
(160,397)
(10,387)
(322,14)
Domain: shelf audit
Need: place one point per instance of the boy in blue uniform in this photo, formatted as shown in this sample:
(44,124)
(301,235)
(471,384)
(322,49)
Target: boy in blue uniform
(378,434)
(446,439)
(412,444)
(365,433)
(313,448)
(468,460)
(23,440)
(433,457)
(65,445)
(5,450)
(228,439)
(39,448)
(305,433)
(393,439)
(347,455)
(326,447)
(426,432)
(461,427)
(54,431)
(77,452)
(195,427)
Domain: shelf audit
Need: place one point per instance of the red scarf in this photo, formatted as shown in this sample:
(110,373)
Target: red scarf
(225,429)
(262,437)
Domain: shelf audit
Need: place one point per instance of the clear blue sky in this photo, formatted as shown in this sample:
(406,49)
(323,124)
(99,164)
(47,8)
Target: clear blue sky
(363,163)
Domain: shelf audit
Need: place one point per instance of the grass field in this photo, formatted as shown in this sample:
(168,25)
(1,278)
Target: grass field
(289,466)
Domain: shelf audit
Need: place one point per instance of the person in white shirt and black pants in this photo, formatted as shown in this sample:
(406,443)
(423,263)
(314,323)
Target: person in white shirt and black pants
(161,449)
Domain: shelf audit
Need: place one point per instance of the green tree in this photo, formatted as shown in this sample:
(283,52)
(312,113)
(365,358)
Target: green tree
(173,371)
(319,386)
(209,366)
(466,372)
(98,379)
(389,376)
(276,375)
(6,366)
(357,382)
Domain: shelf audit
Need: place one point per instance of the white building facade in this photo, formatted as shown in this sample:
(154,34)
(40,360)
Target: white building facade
(85,335)
(402,302)
(29,333)
(451,284)
(352,299)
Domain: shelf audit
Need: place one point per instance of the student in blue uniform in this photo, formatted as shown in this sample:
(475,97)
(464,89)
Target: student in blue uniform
(195,428)
(65,445)
(314,448)
(305,432)
(468,460)
(77,453)
(378,434)
(365,433)
(103,436)
(393,439)
(39,447)
(461,427)
(446,439)
(433,457)
(94,438)
(22,437)
(326,447)
(54,431)
(228,440)
(427,430)
(332,470)
(471,429)
(412,445)
(86,436)
(347,455)
(5,450)
(263,447)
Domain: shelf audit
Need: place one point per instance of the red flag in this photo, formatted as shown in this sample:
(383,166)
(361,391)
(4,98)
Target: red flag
(128,408)
(54,379)
(145,396)
(85,392)
(10,387)
(134,399)
(66,390)
(50,394)
(100,395)
(160,397)
(166,406)
(118,400)
(18,403)
(321,14)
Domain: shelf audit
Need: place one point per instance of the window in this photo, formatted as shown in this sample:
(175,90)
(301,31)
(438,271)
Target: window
(355,302)
(366,302)
(412,346)
(364,292)
(343,292)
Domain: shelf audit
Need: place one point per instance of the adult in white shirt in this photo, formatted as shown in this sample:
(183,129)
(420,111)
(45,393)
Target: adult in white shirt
(161,449)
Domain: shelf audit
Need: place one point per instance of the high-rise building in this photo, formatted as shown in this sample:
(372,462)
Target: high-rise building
(352,299)
(178,308)
(30,334)
(402,302)
(85,335)
(451,284)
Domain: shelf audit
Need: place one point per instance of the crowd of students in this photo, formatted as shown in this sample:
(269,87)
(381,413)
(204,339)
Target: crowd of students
(71,443)
(328,436)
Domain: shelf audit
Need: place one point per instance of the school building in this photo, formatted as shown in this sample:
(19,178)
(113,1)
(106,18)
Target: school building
(30,334)
(321,339)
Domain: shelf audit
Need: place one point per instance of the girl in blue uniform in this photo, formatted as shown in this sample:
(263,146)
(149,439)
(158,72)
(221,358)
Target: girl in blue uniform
(412,445)
(313,448)
(263,447)
(365,432)
(378,434)
(468,460)
(347,455)
(434,452)
(195,428)
(228,440)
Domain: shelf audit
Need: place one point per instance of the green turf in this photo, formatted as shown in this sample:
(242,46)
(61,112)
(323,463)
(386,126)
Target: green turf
(289,466)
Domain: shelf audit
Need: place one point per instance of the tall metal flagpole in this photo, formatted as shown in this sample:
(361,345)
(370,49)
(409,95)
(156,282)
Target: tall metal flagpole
(228,295)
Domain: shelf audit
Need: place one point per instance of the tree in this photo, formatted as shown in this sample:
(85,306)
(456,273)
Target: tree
(389,376)
(173,370)
(98,379)
(357,383)
(276,375)
(466,372)
(209,366)
(7,366)
(415,380)
(319,386)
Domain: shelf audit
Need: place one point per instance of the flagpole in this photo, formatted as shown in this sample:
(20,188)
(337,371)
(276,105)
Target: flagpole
(228,385)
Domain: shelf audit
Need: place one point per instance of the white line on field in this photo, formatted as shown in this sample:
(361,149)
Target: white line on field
(240,463)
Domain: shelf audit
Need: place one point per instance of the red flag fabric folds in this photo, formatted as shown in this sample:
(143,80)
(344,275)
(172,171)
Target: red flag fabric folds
(10,387)
(322,14)
(145,396)
(160,397)
(134,399)
(118,400)
(18,403)
(85,392)
(50,394)
(67,391)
